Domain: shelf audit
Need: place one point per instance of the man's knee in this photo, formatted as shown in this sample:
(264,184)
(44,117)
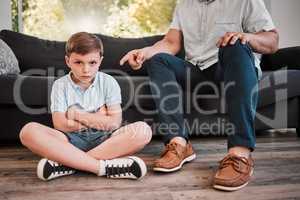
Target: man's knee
(163,59)
(28,131)
(235,50)
(237,57)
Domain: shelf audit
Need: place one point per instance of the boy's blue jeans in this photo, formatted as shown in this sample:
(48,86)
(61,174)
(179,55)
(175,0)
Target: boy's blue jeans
(236,69)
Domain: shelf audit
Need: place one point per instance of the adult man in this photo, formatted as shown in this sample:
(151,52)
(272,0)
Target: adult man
(222,41)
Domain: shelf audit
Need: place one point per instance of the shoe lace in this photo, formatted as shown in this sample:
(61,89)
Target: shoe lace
(235,162)
(117,170)
(61,169)
(171,148)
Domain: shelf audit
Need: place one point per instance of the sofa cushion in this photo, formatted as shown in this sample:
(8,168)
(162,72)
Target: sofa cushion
(8,61)
(285,57)
(116,48)
(278,85)
(27,90)
(35,91)
(35,53)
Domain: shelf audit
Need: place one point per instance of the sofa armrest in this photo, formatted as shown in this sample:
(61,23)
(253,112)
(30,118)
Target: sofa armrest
(285,57)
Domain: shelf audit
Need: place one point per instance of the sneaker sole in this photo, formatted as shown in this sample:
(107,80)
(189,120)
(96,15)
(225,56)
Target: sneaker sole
(231,189)
(141,164)
(187,159)
(40,169)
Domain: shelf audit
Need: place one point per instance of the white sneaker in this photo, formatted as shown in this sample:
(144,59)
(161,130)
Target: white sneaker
(48,169)
(130,167)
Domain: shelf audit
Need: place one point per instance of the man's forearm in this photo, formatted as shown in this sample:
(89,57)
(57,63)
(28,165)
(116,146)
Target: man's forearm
(99,121)
(265,42)
(163,46)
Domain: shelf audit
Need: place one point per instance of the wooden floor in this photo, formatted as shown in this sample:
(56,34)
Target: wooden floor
(276,176)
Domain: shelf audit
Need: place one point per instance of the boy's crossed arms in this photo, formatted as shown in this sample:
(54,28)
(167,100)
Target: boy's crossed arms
(107,118)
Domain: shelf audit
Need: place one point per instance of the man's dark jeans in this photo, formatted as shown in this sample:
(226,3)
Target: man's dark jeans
(236,69)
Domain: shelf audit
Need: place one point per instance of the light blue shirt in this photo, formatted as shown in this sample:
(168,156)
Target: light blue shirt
(202,24)
(65,93)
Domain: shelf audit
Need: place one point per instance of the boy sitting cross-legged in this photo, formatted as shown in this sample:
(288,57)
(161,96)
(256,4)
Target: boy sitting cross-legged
(87,116)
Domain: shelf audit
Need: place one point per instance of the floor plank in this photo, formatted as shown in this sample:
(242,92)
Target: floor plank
(276,176)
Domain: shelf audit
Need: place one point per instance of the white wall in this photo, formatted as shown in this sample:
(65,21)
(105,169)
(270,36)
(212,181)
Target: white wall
(5,15)
(286,16)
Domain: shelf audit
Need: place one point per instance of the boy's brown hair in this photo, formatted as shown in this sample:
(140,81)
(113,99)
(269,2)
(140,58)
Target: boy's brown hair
(83,43)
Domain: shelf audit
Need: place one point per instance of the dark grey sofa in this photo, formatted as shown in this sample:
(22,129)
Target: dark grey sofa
(42,61)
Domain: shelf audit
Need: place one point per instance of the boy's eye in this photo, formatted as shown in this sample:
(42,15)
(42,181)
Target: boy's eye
(77,62)
(93,62)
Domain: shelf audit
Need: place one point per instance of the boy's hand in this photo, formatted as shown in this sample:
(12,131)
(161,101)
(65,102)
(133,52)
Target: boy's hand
(74,124)
(103,110)
(72,113)
(62,123)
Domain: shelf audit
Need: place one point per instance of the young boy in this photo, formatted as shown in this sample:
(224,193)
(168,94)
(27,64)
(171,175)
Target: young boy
(86,114)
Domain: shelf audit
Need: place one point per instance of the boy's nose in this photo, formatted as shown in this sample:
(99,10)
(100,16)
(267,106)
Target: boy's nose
(85,68)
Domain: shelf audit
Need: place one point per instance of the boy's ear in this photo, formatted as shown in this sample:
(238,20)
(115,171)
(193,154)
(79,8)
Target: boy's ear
(101,59)
(67,59)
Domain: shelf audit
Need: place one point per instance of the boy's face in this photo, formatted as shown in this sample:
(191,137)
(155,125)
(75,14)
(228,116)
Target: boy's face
(84,67)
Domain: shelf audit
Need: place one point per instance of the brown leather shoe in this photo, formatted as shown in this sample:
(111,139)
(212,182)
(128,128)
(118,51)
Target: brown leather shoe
(234,173)
(174,156)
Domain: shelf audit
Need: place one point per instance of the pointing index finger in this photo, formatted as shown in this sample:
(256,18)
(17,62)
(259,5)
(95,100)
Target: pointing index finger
(124,59)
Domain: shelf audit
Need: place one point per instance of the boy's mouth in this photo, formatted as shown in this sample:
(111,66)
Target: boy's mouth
(85,77)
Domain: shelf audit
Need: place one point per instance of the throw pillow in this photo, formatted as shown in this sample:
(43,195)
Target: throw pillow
(8,61)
